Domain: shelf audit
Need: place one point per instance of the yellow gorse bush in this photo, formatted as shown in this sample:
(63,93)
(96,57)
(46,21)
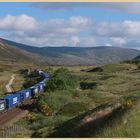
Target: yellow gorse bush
(45,109)
(31,117)
(127,104)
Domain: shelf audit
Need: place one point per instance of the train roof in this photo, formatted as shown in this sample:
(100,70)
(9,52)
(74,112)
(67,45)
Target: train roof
(2,100)
(35,86)
(11,96)
(24,90)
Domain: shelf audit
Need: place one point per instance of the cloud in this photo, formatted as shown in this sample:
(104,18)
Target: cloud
(108,45)
(22,22)
(74,31)
(50,32)
(128,7)
(125,28)
(79,21)
(117,41)
(75,40)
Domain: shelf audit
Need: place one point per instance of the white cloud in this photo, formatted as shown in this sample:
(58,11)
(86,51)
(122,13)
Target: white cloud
(75,31)
(117,41)
(132,28)
(22,22)
(79,21)
(75,40)
(108,45)
(125,28)
(52,32)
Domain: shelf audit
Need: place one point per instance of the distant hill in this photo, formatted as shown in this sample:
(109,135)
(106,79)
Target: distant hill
(137,57)
(11,54)
(79,55)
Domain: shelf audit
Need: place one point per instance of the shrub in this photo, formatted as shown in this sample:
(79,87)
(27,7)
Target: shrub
(72,109)
(88,85)
(32,78)
(62,79)
(49,70)
(127,104)
(45,109)
(31,118)
(55,100)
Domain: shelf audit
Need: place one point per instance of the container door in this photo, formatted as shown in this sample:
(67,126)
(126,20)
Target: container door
(22,97)
(27,94)
(15,100)
(2,107)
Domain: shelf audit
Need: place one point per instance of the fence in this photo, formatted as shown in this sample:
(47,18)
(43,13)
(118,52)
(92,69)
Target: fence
(7,131)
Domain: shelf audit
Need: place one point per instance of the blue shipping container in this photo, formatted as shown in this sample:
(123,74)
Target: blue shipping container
(24,94)
(40,72)
(2,105)
(41,86)
(46,75)
(12,100)
(34,91)
(43,82)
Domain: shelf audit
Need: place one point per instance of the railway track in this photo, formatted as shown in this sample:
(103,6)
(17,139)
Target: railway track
(11,116)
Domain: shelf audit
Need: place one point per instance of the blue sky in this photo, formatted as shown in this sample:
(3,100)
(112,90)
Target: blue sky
(71,24)
(98,13)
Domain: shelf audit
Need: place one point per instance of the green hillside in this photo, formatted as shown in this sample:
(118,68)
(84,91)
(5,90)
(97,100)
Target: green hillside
(79,55)
(10,54)
(63,107)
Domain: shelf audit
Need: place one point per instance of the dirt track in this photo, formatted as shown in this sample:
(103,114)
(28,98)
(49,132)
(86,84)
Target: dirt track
(8,86)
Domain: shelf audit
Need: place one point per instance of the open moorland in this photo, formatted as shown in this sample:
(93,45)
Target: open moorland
(80,91)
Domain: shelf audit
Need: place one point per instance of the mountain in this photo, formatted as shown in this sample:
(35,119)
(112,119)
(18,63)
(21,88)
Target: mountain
(79,55)
(11,54)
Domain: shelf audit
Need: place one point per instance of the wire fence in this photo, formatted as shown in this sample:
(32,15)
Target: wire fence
(7,131)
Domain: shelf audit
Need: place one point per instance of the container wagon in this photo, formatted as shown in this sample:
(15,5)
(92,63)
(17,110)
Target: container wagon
(12,100)
(2,105)
(40,87)
(24,94)
(34,91)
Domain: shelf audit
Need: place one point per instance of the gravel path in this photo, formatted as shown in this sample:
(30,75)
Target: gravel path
(8,86)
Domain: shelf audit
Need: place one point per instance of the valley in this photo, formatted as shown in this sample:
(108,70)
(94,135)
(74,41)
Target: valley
(69,69)
(79,91)
(114,82)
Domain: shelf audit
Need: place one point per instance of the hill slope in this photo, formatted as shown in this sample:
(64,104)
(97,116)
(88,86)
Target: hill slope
(79,55)
(11,54)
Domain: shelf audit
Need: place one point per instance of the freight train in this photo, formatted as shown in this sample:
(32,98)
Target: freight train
(13,100)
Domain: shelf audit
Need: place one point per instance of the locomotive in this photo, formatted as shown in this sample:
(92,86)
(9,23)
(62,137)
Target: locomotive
(16,98)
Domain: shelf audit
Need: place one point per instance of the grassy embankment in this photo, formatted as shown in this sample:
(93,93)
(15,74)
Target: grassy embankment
(6,70)
(95,88)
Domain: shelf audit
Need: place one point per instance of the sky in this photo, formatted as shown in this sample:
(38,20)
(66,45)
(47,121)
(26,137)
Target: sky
(71,24)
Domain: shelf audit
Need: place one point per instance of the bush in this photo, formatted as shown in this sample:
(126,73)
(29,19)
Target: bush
(62,79)
(72,109)
(87,85)
(45,109)
(127,104)
(54,100)
(49,70)
(24,71)
(31,118)
(31,78)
